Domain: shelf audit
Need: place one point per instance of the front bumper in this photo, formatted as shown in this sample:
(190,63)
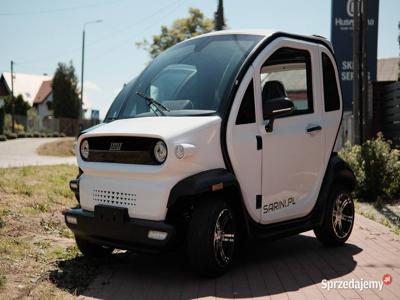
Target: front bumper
(117,230)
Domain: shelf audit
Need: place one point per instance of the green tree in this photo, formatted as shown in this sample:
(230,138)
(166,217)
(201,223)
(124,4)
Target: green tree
(398,39)
(65,92)
(181,29)
(2,117)
(21,106)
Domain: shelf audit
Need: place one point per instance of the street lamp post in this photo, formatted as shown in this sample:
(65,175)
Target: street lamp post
(83,64)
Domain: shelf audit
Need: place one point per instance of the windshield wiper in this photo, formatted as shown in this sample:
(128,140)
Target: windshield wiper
(160,108)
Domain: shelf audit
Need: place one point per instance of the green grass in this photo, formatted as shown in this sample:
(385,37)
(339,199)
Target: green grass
(374,211)
(58,148)
(3,281)
(37,250)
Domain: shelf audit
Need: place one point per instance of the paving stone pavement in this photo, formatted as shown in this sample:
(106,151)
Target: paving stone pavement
(290,268)
(22,152)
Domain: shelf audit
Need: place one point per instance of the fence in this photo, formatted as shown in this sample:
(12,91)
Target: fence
(386,108)
(69,127)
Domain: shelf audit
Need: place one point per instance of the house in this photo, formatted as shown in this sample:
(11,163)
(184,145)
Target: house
(26,85)
(43,101)
(388,69)
(35,89)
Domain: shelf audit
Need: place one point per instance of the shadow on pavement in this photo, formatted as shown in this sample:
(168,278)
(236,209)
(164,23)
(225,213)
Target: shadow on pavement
(265,268)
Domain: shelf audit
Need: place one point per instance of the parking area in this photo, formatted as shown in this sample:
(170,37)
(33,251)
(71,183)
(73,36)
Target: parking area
(291,268)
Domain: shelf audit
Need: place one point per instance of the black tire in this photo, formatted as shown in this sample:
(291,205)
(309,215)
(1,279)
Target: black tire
(339,218)
(90,249)
(211,247)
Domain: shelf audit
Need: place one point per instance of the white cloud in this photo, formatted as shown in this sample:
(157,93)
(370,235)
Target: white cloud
(91,86)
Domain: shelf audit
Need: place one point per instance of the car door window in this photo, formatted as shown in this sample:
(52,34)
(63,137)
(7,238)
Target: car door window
(287,74)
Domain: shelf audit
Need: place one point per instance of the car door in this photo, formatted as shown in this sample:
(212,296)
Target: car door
(293,152)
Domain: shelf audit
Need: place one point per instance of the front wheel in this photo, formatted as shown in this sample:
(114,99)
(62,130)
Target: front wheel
(339,218)
(211,239)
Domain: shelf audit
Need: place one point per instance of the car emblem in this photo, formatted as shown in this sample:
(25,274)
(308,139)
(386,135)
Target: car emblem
(115,146)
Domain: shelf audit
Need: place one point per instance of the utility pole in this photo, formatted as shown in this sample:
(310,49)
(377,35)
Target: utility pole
(357,104)
(364,71)
(360,72)
(12,99)
(219,20)
(82,69)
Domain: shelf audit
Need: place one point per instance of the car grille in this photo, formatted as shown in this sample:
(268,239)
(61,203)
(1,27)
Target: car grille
(114,198)
(122,149)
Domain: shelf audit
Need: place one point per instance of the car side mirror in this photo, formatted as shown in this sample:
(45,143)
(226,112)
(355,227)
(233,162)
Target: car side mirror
(276,108)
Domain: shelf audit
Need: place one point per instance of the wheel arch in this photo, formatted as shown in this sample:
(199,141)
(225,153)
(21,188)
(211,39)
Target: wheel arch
(215,183)
(337,172)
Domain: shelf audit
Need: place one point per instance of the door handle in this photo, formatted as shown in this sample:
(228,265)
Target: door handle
(313,128)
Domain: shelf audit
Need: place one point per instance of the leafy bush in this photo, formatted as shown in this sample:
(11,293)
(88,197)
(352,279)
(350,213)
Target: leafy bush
(376,167)
(19,127)
(62,134)
(21,135)
(11,136)
(3,138)
(36,134)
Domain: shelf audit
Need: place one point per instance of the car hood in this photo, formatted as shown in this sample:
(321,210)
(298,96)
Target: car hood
(158,127)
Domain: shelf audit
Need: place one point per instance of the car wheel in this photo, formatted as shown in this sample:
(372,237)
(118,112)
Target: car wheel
(212,239)
(339,218)
(90,249)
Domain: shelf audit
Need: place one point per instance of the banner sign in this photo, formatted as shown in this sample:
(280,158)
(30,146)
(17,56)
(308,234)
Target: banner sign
(342,41)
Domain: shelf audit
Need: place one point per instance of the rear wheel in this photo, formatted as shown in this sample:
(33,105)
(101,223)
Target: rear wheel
(90,249)
(211,239)
(339,218)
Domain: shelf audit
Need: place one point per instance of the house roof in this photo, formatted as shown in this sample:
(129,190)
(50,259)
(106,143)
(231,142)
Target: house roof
(388,69)
(44,91)
(26,85)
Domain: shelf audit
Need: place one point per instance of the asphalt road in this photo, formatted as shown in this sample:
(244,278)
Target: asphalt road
(22,152)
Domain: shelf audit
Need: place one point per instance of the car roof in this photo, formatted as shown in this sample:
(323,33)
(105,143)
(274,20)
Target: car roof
(263,32)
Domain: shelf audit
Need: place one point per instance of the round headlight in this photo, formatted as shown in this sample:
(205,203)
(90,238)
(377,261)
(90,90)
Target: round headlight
(160,151)
(85,149)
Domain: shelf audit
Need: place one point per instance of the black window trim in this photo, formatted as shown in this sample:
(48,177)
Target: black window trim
(337,82)
(254,120)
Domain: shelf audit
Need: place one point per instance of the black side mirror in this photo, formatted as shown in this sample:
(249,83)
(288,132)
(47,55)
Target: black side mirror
(276,108)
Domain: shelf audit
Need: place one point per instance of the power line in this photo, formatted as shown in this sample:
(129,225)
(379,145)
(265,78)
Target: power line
(117,47)
(108,36)
(57,10)
(127,27)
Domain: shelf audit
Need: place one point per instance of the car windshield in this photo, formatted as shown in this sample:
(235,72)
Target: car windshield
(191,78)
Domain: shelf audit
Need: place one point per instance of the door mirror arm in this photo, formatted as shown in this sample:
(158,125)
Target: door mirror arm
(269,127)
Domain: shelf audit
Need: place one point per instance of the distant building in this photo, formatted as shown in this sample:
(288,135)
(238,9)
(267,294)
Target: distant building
(43,101)
(35,89)
(26,85)
(388,69)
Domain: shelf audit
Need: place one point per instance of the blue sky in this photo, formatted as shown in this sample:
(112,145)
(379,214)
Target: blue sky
(39,34)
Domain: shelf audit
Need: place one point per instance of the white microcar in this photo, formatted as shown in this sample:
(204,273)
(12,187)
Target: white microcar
(222,138)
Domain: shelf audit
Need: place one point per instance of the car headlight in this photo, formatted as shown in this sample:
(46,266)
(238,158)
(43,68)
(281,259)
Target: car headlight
(85,149)
(160,151)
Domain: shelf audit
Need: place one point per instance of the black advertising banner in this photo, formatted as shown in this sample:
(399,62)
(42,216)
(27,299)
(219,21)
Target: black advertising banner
(342,41)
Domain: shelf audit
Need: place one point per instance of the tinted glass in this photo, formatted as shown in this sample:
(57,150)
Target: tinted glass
(331,92)
(247,110)
(191,78)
